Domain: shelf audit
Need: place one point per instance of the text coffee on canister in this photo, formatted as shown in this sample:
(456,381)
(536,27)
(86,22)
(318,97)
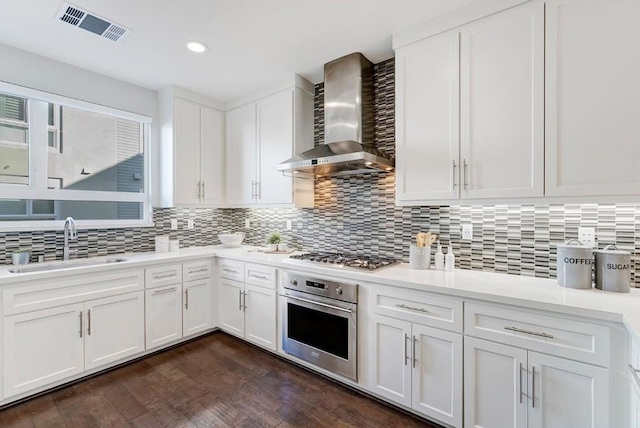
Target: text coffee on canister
(574,264)
(613,270)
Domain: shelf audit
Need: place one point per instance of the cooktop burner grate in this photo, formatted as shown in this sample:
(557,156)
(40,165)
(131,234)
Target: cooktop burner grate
(347,260)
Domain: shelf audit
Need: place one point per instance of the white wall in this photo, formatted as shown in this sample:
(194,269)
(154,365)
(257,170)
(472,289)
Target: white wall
(37,72)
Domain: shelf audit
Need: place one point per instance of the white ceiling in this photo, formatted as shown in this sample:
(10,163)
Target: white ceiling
(252,43)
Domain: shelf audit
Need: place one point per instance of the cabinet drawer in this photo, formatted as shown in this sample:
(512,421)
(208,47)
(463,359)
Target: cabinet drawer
(577,340)
(231,269)
(419,307)
(200,269)
(163,275)
(264,276)
(68,290)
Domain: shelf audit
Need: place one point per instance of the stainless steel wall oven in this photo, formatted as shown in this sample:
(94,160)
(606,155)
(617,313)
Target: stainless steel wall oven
(319,320)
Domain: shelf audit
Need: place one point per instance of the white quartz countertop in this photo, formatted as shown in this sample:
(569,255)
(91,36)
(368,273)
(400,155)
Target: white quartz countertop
(527,292)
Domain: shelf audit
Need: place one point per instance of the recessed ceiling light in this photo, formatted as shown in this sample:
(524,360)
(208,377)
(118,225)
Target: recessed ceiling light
(195,46)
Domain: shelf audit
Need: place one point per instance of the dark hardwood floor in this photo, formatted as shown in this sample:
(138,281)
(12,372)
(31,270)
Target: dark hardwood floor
(215,381)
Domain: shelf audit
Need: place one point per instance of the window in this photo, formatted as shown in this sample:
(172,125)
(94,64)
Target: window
(61,157)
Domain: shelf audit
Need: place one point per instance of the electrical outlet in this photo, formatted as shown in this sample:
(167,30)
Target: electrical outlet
(191,224)
(467,232)
(247,223)
(587,235)
(289,225)
(174,224)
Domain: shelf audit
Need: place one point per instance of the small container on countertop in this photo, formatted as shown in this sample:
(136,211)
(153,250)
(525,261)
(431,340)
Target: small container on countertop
(162,244)
(575,265)
(613,270)
(419,257)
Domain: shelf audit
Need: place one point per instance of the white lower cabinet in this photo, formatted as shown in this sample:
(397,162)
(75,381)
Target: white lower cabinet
(511,387)
(114,329)
(163,314)
(248,311)
(196,316)
(42,347)
(46,346)
(260,312)
(419,367)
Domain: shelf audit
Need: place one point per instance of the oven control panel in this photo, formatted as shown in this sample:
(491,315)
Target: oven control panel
(331,289)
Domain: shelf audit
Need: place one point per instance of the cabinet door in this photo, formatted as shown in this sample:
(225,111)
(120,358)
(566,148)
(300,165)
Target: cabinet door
(211,156)
(566,393)
(197,307)
(275,144)
(427,137)
(187,152)
(163,315)
(591,104)
(634,403)
(41,348)
(114,329)
(260,316)
(230,307)
(437,376)
(495,385)
(391,359)
(502,104)
(240,155)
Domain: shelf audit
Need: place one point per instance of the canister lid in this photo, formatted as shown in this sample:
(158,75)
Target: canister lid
(612,249)
(575,244)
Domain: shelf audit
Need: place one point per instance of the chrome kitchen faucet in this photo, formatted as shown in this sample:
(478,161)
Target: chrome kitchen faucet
(70,232)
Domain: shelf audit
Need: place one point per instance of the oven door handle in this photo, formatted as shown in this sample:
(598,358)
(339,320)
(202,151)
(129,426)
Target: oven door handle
(337,308)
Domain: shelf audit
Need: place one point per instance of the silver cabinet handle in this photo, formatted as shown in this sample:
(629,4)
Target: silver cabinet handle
(324,305)
(465,165)
(406,351)
(203,190)
(414,351)
(199,190)
(229,270)
(455,167)
(239,300)
(186,300)
(533,333)
(81,324)
(244,299)
(253,275)
(403,306)
(89,322)
(198,271)
(258,189)
(163,291)
(520,375)
(253,190)
(164,276)
(634,373)
(533,387)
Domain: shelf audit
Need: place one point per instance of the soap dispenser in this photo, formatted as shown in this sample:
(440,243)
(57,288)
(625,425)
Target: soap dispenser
(450,260)
(439,258)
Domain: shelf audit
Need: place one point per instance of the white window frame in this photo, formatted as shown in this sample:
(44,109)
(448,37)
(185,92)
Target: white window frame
(55,128)
(38,189)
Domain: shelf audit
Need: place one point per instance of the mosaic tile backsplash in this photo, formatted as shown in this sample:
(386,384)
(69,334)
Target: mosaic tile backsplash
(357,214)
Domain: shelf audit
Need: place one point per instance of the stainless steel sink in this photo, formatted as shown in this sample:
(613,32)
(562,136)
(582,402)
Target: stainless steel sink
(42,267)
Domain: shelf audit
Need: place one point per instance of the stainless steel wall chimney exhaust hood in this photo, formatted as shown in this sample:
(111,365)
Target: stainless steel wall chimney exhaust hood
(349,124)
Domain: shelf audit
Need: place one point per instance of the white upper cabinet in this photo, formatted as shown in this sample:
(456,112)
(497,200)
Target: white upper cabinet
(261,134)
(191,155)
(502,104)
(275,142)
(427,137)
(240,155)
(470,111)
(592,88)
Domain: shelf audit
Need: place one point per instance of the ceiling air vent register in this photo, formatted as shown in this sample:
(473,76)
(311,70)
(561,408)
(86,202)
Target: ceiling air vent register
(95,24)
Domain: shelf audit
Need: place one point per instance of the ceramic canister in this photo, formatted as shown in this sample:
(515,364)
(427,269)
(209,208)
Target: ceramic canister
(574,266)
(613,270)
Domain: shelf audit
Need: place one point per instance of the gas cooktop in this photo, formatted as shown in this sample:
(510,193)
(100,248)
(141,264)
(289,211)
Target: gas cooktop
(346,260)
